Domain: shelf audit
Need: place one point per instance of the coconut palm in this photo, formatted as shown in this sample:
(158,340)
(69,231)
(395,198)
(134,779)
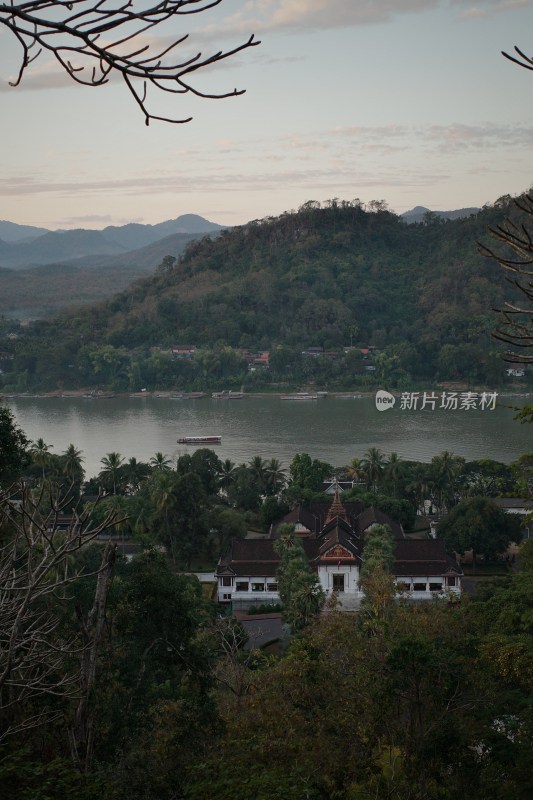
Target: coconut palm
(275,477)
(393,470)
(226,473)
(72,467)
(161,462)
(40,454)
(355,470)
(445,469)
(257,467)
(373,464)
(112,469)
(135,473)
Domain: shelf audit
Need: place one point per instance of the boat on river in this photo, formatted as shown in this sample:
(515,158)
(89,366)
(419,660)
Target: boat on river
(227,395)
(200,440)
(299,396)
(187,395)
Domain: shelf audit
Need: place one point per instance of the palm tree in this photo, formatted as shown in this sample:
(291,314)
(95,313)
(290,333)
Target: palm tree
(445,469)
(275,476)
(161,462)
(393,470)
(111,471)
(373,464)
(355,470)
(72,467)
(40,454)
(257,467)
(226,473)
(135,473)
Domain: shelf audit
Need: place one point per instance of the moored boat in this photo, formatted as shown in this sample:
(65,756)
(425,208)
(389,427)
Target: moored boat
(299,396)
(227,395)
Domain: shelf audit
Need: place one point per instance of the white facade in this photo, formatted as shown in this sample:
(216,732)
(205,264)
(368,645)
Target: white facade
(427,587)
(249,590)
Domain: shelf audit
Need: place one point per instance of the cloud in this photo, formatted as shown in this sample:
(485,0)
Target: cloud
(451,138)
(34,79)
(89,218)
(457,137)
(107,219)
(295,15)
(485,8)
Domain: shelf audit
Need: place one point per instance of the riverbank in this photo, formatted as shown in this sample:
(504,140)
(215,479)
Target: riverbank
(173,393)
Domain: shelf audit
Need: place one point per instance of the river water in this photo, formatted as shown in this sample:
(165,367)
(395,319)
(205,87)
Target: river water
(332,429)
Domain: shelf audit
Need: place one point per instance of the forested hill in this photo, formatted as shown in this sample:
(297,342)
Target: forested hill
(321,277)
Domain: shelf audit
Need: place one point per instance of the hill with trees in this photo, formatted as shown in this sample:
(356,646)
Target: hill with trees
(322,277)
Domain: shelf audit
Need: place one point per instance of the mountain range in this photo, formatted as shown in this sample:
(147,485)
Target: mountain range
(421,295)
(42,271)
(23,246)
(418,214)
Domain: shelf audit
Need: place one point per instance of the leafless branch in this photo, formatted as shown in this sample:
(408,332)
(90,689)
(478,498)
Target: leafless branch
(515,255)
(37,564)
(523,61)
(93,41)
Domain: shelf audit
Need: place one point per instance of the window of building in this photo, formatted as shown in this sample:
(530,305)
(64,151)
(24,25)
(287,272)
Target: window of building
(451,581)
(403,586)
(241,586)
(227,581)
(272,587)
(435,587)
(226,596)
(419,587)
(258,587)
(338,583)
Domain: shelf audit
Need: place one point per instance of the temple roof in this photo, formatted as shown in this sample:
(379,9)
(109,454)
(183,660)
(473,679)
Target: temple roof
(336,509)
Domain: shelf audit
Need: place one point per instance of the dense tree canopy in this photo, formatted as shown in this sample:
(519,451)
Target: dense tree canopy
(420,294)
(478,524)
(13,447)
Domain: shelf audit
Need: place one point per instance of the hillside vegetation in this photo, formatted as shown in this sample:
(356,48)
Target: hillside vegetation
(321,277)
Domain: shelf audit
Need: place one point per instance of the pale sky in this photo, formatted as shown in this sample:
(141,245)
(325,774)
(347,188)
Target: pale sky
(407,101)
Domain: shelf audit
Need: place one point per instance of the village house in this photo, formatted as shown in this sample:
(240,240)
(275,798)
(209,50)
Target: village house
(185,351)
(333,538)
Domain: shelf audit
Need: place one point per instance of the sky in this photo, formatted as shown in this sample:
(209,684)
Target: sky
(406,101)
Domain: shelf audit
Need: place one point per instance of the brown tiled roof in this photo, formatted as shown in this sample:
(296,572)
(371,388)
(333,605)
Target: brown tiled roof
(314,515)
(258,557)
(338,531)
(423,557)
(373,516)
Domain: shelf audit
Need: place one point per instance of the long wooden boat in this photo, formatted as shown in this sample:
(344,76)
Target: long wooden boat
(200,440)
(227,395)
(299,396)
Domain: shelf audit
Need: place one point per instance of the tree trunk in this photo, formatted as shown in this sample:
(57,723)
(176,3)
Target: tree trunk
(81,731)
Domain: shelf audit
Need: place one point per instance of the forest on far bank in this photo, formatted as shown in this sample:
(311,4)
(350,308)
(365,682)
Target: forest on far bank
(339,277)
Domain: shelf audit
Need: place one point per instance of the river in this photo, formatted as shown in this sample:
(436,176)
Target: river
(332,429)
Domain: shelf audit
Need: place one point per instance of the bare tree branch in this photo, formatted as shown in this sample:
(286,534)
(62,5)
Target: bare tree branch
(36,566)
(514,254)
(92,41)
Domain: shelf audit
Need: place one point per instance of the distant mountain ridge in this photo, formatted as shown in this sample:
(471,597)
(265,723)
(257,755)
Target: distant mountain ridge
(24,246)
(418,213)
(421,294)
